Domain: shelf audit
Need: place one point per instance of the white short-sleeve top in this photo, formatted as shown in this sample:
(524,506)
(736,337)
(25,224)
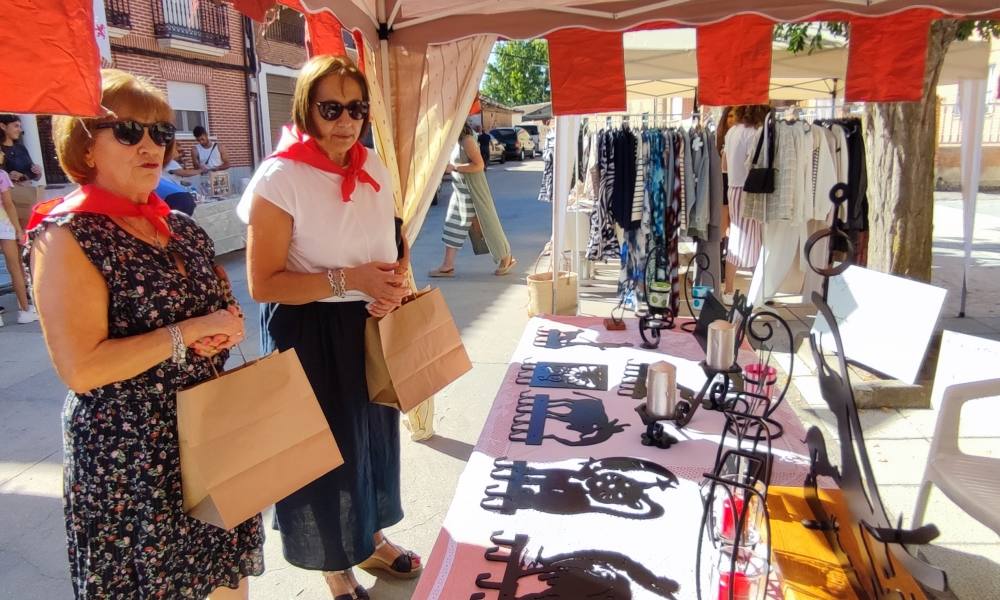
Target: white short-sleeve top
(328,233)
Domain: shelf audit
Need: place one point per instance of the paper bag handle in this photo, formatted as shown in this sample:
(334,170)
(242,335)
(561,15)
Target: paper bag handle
(215,372)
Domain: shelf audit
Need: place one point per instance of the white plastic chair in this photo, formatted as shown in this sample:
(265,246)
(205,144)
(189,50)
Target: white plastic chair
(972,482)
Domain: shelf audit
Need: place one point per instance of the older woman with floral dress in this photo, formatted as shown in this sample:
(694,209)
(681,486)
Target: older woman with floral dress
(133,309)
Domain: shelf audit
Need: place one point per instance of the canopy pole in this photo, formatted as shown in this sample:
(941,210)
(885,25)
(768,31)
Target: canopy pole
(566,129)
(972,102)
(833,96)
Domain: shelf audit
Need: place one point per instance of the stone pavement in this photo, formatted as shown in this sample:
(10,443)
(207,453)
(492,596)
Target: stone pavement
(491,314)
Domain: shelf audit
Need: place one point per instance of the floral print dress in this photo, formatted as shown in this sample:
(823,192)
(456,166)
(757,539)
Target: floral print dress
(127,532)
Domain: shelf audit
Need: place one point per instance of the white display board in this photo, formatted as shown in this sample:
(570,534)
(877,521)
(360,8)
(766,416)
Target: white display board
(885,321)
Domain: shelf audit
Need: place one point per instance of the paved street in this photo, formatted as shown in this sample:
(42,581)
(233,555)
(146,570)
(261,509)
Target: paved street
(491,314)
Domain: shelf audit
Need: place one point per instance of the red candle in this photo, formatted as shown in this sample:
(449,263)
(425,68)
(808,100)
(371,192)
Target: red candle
(740,584)
(731,510)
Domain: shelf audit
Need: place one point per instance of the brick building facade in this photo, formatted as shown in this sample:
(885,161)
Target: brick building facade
(196,56)
(281,51)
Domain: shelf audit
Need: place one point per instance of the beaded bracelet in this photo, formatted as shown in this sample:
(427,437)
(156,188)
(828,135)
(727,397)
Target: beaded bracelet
(338,282)
(178,349)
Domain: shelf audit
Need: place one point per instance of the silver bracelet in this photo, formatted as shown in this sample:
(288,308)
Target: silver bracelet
(338,282)
(178,349)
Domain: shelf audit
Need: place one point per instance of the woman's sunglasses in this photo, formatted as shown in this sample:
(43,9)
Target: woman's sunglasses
(331,110)
(130,132)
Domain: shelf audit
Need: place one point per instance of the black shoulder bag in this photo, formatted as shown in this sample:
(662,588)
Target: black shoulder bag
(760,180)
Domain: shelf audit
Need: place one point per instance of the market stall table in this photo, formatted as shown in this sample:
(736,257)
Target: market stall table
(625,517)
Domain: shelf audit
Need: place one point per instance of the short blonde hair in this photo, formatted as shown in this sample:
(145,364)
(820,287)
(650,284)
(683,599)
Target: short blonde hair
(123,94)
(311,74)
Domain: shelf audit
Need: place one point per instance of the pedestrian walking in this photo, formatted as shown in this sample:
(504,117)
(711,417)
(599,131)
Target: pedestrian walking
(484,146)
(11,236)
(322,256)
(471,199)
(133,309)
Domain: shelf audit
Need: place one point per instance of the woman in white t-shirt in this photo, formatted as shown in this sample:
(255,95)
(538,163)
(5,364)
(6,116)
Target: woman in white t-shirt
(322,255)
(10,238)
(743,247)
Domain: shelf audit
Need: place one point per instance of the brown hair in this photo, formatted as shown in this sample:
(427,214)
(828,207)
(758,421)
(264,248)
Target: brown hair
(122,94)
(752,115)
(311,74)
(722,128)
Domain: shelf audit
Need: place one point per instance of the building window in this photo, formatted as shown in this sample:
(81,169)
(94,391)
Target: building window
(190,105)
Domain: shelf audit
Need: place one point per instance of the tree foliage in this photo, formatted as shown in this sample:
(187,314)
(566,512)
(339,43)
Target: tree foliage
(518,73)
(809,36)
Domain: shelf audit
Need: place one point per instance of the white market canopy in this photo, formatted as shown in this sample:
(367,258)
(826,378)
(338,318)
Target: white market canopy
(664,63)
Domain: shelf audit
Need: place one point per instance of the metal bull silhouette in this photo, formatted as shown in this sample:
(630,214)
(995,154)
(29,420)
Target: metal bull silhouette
(590,574)
(584,415)
(615,486)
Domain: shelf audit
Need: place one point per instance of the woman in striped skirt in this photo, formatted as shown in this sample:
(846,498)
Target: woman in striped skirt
(744,244)
(472,198)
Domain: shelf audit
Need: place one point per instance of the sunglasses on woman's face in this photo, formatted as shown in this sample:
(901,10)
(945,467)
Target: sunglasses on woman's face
(130,132)
(331,110)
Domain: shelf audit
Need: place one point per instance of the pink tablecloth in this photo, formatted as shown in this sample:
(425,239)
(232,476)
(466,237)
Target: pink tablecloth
(638,540)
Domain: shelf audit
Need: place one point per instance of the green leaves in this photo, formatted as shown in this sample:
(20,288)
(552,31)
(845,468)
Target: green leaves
(809,36)
(518,73)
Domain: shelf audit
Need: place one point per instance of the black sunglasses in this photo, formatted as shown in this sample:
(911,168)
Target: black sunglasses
(331,110)
(130,132)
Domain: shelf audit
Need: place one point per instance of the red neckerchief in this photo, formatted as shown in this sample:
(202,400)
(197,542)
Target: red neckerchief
(300,147)
(92,199)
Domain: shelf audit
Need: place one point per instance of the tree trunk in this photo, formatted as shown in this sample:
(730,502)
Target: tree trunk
(900,143)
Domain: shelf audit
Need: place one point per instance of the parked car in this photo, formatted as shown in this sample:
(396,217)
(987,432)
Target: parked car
(516,141)
(497,153)
(533,132)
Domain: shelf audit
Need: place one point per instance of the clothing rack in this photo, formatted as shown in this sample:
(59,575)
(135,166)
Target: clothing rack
(636,120)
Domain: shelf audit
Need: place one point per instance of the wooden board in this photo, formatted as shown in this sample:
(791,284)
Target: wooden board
(808,567)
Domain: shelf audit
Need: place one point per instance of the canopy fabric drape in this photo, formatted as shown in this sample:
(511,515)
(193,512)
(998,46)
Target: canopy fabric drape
(886,57)
(743,75)
(576,58)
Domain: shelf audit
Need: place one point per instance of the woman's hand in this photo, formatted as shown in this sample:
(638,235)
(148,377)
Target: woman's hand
(36,169)
(380,309)
(16,176)
(378,280)
(448,168)
(218,331)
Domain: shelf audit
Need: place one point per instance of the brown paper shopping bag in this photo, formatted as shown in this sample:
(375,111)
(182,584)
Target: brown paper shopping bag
(250,438)
(413,352)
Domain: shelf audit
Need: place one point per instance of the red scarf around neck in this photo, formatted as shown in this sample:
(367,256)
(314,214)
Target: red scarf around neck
(92,199)
(301,147)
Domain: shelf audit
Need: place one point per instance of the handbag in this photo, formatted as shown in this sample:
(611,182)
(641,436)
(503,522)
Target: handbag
(760,180)
(478,239)
(413,352)
(250,437)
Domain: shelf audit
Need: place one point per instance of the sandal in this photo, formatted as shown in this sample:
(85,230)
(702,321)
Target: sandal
(442,273)
(359,592)
(405,566)
(504,269)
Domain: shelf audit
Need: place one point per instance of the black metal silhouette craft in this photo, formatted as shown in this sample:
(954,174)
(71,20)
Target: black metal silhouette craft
(886,544)
(633,383)
(584,415)
(703,262)
(615,486)
(554,339)
(584,574)
(571,376)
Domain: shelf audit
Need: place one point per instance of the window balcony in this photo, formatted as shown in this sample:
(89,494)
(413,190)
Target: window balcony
(179,26)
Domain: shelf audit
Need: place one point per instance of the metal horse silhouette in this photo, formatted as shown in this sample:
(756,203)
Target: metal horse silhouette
(590,574)
(615,486)
(584,415)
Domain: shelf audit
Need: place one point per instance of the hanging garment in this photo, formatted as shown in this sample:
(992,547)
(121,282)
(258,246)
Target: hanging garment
(710,245)
(603,242)
(824,172)
(673,219)
(624,180)
(697,182)
(592,176)
(682,215)
(638,198)
(548,175)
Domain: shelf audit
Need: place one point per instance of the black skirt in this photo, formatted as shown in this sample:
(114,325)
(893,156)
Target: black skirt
(329,524)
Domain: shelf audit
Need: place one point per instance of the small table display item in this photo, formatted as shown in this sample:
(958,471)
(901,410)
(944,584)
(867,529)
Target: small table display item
(570,376)
(619,486)
(661,306)
(555,339)
(697,295)
(633,383)
(584,415)
(567,576)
